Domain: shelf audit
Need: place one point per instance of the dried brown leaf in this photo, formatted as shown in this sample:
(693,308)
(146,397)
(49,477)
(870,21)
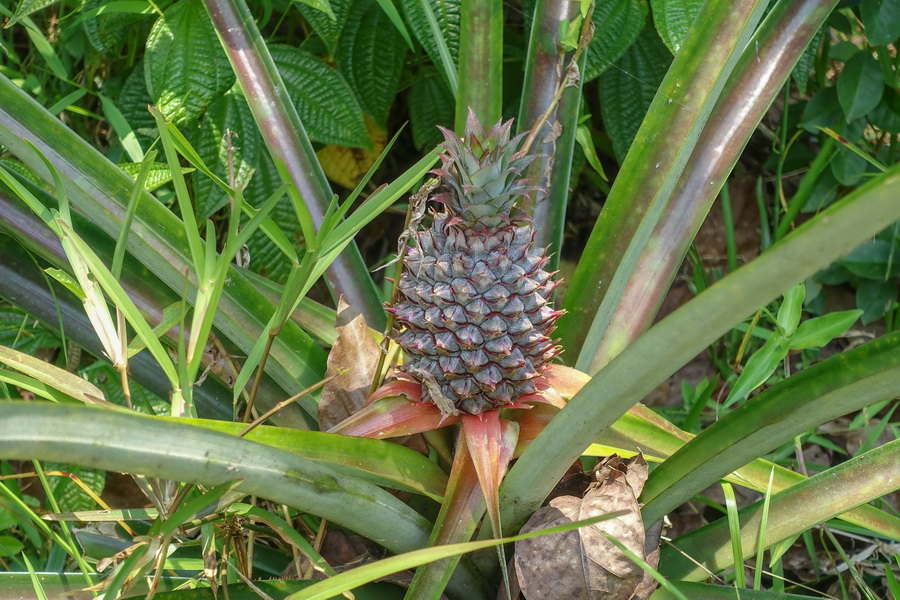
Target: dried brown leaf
(353,360)
(584,564)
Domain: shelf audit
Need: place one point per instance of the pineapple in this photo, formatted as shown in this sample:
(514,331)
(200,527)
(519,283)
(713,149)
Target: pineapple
(473,314)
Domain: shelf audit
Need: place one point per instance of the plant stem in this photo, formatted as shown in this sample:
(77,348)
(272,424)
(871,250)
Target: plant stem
(287,141)
(480,62)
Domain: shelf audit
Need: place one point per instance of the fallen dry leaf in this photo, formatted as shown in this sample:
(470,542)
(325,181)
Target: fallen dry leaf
(584,564)
(352,360)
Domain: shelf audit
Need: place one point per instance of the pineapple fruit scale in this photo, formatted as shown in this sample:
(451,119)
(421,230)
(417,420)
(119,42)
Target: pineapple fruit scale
(473,316)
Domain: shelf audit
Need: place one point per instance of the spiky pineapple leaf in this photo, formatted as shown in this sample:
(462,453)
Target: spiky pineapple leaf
(324,99)
(430,104)
(370,54)
(673,19)
(228,113)
(185,66)
(328,27)
(618,24)
(627,91)
(446,13)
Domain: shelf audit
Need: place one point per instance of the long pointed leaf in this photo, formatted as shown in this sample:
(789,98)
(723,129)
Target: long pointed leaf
(686,332)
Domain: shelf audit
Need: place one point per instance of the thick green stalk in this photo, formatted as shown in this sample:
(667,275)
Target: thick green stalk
(287,142)
(480,62)
(675,340)
(765,65)
(545,71)
(654,164)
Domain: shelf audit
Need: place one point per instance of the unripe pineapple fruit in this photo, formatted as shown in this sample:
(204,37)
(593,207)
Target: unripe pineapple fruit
(474,317)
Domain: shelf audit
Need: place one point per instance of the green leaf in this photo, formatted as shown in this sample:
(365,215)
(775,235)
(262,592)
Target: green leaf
(821,330)
(134,100)
(10,546)
(25,8)
(348,580)
(158,175)
(59,379)
(430,104)
(384,463)
(872,259)
(844,383)
(627,90)
(860,86)
(821,497)
(137,444)
(875,297)
(370,54)
(759,368)
(228,113)
(185,67)
(320,5)
(617,25)
(882,20)
(67,281)
(328,26)
(791,309)
(804,65)
(447,15)
(673,19)
(69,494)
(324,99)
(107,30)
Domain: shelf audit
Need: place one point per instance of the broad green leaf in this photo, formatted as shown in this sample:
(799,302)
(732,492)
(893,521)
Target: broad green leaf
(320,5)
(821,497)
(370,54)
(134,100)
(872,260)
(185,67)
(26,7)
(384,463)
(137,444)
(69,494)
(844,383)
(886,116)
(10,546)
(430,104)
(228,113)
(875,297)
(328,26)
(159,173)
(882,20)
(860,86)
(791,309)
(804,66)
(446,13)
(821,330)
(627,90)
(617,25)
(324,100)
(673,19)
(759,368)
(107,30)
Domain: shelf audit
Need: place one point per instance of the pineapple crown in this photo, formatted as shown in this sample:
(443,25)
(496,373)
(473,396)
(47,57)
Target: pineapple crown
(481,173)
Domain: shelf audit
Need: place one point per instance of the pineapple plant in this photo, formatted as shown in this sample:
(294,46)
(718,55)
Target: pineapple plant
(474,317)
